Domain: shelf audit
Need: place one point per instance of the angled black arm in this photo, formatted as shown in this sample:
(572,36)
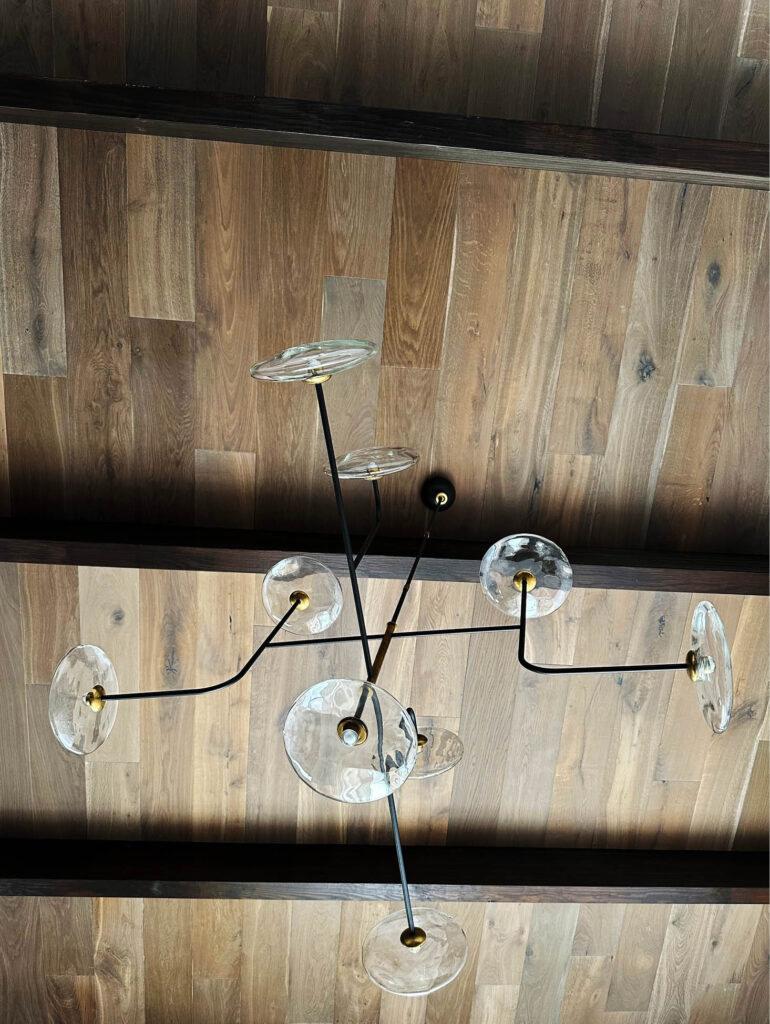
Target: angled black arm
(377,520)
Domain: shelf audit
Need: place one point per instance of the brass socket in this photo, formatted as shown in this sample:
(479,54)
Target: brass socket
(692,665)
(525,575)
(95,698)
(354,724)
(421,740)
(301,596)
(441,498)
(413,939)
(320,378)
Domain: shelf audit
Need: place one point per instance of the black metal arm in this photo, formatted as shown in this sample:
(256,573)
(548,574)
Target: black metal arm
(377,520)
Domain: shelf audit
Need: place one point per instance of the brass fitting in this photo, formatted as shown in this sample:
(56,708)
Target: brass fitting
(692,665)
(521,576)
(320,378)
(413,939)
(421,740)
(301,596)
(95,698)
(441,498)
(352,725)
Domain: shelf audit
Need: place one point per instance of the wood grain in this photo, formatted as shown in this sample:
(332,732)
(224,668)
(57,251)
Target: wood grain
(300,55)
(746,108)
(503,69)
(160,43)
(224,489)
(359,205)
(119,961)
(57,777)
(50,620)
(89,40)
(168,982)
(231,46)
(16,811)
(38,441)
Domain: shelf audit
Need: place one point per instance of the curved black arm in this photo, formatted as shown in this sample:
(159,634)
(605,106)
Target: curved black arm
(377,520)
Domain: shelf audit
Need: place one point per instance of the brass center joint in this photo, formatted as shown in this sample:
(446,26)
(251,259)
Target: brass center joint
(301,597)
(413,939)
(421,740)
(441,498)
(352,725)
(692,665)
(95,698)
(319,378)
(522,576)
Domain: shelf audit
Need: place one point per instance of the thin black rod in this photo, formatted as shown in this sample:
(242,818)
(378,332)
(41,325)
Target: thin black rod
(196,690)
(396,636)
(553,670)
(319,391)
(415,563)
(377,520)
(400,859)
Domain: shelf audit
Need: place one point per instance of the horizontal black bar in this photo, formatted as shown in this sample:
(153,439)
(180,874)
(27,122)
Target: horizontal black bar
(305,124)
(252,871)
(216,550)
(404,635)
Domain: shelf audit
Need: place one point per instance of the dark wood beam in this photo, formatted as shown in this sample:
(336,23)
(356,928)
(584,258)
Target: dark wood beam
(309,125)
(212,550)
(245,871)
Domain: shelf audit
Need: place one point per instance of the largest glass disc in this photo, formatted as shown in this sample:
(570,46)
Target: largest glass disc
(75,725)
(542,558)
(357,773)
(304,362)
(417,970)
(714,670)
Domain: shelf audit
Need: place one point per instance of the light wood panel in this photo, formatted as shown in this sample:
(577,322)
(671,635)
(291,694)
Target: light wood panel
(137,965)
(664,66)
(535,332)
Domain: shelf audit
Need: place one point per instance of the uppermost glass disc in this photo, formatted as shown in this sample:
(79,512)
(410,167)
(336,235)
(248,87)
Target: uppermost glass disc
(317,359)
(713,666)
(299,574)
(542,558)
(372,463)
(75,724)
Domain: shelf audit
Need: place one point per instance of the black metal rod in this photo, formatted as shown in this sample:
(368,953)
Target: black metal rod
(194,691)
(377,520)
(552,670)
(319,391)
(415,563)
(396,636)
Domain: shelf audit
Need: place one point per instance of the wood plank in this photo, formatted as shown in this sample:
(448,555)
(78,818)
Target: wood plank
(755,37)
(420,263)
(494,1002)
(215,1000)
(50,622)
(112,797)
(746,108)
(163,400)
(684,948)
(312,965)
(585,990)
(359,204)
(16,810)
(517,15)
(597,932)
(160,44)
(356,999)
(231,46)
(23,990)
(71,998)
(217,927)
(729,944)
(544,975)
(228,186)
(89,40)
(37,420)
(26,45)
(66,942)
(458,998)
(730,256)
(503,73)
(437,45)
(224,489)
(440,664)
(119,960)
(753,825)
(32,335)
(504,945)
(265,962)
(388,133)
(168,982)
(717,1002)
(160,195)
(367,31)
(752,998)
(567,495)
(57,776)
(638,953)
(300,53)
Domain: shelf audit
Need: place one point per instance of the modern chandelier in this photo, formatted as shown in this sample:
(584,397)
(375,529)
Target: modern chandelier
(348,739)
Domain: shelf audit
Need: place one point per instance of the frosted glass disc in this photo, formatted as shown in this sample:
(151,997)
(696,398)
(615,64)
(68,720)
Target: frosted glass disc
(75,725)
(372,463)
(714,682)
(443,751)
(355,774)
(314,360)
(544,559)
(419,970)
(313,578)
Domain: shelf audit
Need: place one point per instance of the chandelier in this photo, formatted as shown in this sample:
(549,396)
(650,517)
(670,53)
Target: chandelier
(349,739)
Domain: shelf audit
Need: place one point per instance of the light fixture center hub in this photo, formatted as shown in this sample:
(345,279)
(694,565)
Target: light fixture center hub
(525,576)
(352,731)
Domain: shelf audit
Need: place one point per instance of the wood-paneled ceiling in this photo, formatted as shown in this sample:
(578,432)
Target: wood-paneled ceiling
(682,67)
(584,355)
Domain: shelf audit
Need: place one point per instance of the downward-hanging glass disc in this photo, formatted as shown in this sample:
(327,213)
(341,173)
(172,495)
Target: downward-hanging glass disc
(713,666)
(442,750)
(317,359)
(350,741)
(372,463)
(542,558)
(415,970)
(307,576)
(75,724)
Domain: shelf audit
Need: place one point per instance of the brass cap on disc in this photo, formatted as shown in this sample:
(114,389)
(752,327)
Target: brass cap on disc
(301,596)
(320,378)
(95,698)
(413,939)
(521,576)
(421,740)
(354,725)
(692,665)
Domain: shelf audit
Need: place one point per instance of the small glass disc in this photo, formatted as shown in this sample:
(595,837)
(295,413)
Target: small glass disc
(314,360)
(75,725)
(714,681)
(418,970)
(322,754)
(372,463)
(544,559)
(313,578)
(443,751)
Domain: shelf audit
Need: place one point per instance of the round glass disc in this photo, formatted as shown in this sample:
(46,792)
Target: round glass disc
(324,754)
(304,362)
(310,577)
(443,751)
(714,679)
(418,970)
(76,725)
(372,463)
(539,556)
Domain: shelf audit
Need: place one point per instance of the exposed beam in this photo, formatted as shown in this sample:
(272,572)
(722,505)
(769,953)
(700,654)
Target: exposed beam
(213,550)
(246,871)
(309,125)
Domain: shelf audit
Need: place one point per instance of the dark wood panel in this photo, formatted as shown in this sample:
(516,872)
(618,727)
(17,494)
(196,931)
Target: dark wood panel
(313,125)
(274,871)
(215,550)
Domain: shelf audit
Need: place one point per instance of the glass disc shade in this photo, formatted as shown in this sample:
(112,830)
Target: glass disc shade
(314,360)
(373,463)
(314,579)
(714,680)
(75,725)
(357,773)
(544,559)
(418,970)
(443,751)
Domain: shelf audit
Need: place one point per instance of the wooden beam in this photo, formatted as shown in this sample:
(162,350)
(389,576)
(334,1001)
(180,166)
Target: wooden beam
(496,874)
(214,550)
(309,125)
